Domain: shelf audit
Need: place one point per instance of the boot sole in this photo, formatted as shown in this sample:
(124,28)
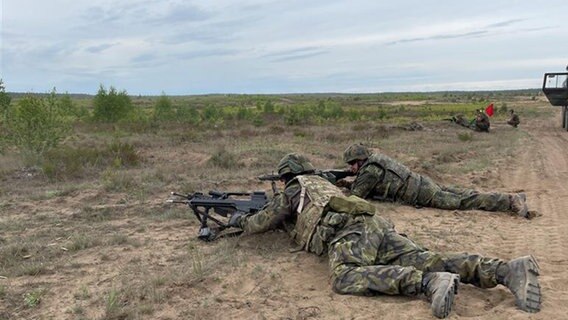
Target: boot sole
(442,308)
(530,299)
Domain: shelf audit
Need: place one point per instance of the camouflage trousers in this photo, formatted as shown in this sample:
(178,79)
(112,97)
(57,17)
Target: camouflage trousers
(370,257)
(431,194)
(471,124)
(463,122)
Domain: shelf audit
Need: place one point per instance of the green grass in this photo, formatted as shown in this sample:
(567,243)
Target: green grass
(33,298)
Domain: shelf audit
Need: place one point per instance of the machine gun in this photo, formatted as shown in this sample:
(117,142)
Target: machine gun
(223,204)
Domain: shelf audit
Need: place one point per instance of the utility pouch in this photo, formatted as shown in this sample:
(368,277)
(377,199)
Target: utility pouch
(352,205)
(321,237)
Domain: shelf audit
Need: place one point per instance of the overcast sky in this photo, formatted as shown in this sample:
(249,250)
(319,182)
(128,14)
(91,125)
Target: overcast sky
(228,46)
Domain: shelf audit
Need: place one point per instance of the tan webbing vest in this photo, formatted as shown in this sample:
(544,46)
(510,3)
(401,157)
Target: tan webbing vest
(318,191)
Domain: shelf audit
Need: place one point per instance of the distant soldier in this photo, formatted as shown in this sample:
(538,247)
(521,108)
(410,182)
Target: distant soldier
(514,119)
(480,123)
(380,177)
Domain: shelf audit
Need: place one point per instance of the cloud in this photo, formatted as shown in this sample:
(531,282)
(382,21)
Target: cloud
(504,23)
(295,54)
(486,30)
(182,13)
(99,48)
(439,37)
(205,53)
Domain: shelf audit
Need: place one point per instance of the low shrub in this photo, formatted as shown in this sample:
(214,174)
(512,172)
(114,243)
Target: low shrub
(224,159)
(69,163)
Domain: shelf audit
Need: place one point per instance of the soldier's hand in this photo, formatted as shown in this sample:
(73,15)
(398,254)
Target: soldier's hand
(343,183)
(235,220)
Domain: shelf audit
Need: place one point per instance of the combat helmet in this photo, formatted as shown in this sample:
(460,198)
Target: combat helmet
(356,151)
(294,163)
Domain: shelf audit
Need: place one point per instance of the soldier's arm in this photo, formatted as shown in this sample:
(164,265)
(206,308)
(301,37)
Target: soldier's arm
(366,181)
(278,210)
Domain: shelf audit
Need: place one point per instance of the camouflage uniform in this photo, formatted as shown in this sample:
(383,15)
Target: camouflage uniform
(514,120)
(459,119)
(480,123)
(366,254)
(383,178)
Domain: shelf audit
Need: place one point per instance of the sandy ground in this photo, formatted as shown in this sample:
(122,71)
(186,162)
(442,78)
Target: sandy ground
(263,280)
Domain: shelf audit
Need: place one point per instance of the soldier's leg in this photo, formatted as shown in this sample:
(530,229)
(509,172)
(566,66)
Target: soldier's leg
(430,194)
(433,195)
(519,275)
(353,270)
(463,122)
(473,269)
(350,259)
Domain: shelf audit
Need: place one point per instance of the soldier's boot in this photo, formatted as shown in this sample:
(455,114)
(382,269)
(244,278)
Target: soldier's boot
(440,288)
(519,204)
(520,275)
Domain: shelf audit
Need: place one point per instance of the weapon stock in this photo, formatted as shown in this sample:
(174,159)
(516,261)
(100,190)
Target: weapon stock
(223,204)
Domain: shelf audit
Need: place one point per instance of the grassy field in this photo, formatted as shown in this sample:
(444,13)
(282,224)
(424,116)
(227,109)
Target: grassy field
(85,232)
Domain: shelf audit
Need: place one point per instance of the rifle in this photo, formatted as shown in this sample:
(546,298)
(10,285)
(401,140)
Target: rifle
(331,175)
(223,204)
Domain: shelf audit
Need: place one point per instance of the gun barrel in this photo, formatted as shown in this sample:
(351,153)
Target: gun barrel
(179,195)
(269,177)
(177,201)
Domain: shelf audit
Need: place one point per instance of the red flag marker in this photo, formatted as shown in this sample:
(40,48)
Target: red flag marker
(489,110)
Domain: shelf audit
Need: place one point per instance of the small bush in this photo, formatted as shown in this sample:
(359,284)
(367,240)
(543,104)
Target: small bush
(296,115)
(124,154)
(137,120)
(70,109)
(82,242)
(35,126)
(268,107)
(117,181)
(33,298)
(189,115)
(465,136)
(5,100)
(503,109)
(111,106)
(213,114)
(66,162)
(163,109)
(224,159)
(114,305)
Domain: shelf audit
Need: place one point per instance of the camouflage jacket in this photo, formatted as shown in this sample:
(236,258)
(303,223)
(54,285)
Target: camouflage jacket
(482,122)
(514,120)
(381,178)
(298,209)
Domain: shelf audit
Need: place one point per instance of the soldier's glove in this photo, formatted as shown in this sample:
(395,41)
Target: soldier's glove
(344,183)
(235,220)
